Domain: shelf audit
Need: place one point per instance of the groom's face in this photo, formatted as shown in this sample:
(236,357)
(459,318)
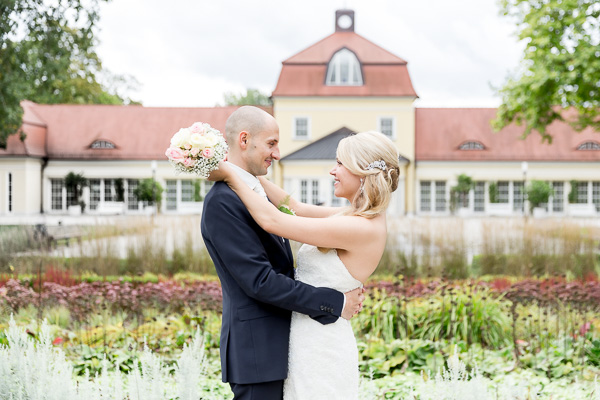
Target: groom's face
(263,148)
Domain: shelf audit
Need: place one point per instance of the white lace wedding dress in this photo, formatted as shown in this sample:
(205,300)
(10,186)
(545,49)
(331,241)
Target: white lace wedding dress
(323,362)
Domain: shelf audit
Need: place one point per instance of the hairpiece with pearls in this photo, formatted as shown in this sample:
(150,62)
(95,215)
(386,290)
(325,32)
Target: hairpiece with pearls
(380,164)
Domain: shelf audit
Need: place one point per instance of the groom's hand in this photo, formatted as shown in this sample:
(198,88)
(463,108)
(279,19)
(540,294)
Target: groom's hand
(354,300)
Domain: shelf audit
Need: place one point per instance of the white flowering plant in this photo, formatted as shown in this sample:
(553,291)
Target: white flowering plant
(197,149)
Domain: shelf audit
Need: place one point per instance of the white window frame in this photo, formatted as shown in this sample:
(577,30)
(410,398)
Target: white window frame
(10,190)
(294,128)
(334,70)
(380,129)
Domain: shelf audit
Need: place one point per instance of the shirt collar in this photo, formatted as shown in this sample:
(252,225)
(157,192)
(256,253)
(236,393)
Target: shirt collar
(246,176)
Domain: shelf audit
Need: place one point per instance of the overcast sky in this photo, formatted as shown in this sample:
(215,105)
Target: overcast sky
(187,53)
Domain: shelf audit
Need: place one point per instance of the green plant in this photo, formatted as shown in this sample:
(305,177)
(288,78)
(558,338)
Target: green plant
(493,192)
(459,194)
(75,183)
(198,191)
(149,190)
(573,194)
(538,192)
(593,353)
(119,189)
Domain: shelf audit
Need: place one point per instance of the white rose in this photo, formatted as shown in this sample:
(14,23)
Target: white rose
(197,141)
(181,138)
(211,140)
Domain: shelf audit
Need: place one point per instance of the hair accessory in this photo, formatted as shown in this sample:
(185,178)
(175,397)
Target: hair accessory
(377,164)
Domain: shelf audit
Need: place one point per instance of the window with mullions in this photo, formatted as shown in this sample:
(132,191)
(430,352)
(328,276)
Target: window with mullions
(596,195)
(518,196)
(386,126)
(94,193)
(132,200)
(582,192)
(440,196)
(471,146)
(110,194)
(56,188)
(589,145)
(479,197)
(558,198)
(344,69)
(301,128)
(503,192)
(187,190)
(10,193)
(425,196)
(102,144)
(171,194)
(315,192)
(304,191)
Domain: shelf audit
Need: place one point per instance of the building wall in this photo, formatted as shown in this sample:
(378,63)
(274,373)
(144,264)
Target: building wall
(26,186)
(359,114)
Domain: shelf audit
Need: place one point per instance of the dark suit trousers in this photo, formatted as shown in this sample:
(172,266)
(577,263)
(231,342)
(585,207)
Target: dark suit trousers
(258,391)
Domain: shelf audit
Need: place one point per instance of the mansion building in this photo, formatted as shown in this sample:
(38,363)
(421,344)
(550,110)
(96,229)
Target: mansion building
(338,86)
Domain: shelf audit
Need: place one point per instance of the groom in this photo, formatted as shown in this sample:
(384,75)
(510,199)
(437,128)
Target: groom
(256,270)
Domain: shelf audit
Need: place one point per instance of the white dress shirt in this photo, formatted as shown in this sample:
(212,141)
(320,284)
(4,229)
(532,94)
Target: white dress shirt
(249,179)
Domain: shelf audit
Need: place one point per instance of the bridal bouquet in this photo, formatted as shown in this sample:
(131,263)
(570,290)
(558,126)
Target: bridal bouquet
(197,149)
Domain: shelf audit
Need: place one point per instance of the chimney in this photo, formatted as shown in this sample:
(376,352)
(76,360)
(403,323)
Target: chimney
(344,21)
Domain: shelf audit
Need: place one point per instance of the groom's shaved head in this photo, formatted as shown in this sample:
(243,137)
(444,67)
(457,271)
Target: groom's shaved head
(246,118)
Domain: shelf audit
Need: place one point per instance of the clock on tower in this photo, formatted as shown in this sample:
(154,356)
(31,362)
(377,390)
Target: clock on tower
(344,21)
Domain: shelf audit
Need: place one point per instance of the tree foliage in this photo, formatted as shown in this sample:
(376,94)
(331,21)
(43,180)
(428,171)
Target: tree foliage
(47,55)
(560,67)
(149,190)
(538,192)
(252,97)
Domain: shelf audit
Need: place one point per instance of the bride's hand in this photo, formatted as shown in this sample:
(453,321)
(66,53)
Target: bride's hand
(221,173)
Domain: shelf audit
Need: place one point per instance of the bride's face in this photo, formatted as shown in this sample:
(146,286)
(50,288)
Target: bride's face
(346,183)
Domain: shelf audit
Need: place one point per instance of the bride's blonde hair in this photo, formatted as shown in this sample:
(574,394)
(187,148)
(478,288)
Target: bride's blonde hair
(374,158)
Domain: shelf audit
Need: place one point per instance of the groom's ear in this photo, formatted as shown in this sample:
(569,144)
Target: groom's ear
(244,139)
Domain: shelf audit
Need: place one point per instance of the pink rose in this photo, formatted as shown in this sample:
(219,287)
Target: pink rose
(188,162)
(194,151)
(198,127)
(174,154)
(208,152)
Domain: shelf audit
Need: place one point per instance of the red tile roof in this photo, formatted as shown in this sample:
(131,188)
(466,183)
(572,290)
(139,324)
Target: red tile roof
(440,132)
(35,131)
(138,132)
(384,74)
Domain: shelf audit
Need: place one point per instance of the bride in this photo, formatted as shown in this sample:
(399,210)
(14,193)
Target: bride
(341,249)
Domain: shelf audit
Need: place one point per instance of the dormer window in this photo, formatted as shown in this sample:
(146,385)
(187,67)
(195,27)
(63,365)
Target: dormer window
(344,69)
(102,144)
(589,145)
(471,145)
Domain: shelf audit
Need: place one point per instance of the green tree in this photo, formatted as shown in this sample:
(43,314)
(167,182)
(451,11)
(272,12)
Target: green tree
(76,183)
(560,67)
(252,97)
(149,190)
(538,192)
(459,194)
(47,55)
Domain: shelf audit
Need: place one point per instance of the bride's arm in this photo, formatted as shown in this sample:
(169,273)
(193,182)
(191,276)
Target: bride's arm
(277,195)
(345,232)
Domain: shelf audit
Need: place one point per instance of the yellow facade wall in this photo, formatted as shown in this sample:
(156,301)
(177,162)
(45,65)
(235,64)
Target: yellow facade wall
(328,114)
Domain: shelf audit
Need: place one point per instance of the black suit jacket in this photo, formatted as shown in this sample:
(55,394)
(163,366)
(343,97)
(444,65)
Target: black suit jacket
(259,291)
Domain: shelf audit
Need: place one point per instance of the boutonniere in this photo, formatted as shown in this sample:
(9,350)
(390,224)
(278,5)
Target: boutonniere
(284,206)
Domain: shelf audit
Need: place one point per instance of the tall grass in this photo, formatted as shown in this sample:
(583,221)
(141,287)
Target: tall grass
(456,248)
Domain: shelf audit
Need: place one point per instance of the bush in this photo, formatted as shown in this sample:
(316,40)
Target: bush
(538,192)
